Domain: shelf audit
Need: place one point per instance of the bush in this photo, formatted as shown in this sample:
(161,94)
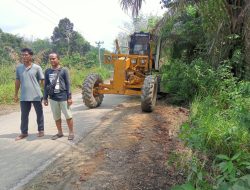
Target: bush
(7,93)
(77,76)
(80,62)
(220,116)
(7,74)
(219,127)
(185,81)
(7,78)
(215,130)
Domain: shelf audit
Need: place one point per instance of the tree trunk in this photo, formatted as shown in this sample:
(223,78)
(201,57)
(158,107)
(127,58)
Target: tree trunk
(247,42)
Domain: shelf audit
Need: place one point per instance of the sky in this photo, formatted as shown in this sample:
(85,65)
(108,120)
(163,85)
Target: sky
(96,20)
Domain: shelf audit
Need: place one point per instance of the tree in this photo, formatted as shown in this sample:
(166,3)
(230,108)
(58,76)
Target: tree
(62,35)
(247,42)
(236,10)
(66,41)
(133,5)
(10,46)
(41,48)
(143,23)
(79,44)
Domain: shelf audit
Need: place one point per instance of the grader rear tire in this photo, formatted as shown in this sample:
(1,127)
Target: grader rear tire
(149,93)
(90,99)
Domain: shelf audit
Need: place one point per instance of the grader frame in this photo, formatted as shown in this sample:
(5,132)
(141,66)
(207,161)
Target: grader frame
(132,75)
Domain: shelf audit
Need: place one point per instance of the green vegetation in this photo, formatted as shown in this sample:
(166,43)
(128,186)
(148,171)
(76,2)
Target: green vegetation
(75,52)
(205,55)
(77,76)
(206,67)
(7,78)
(6,93)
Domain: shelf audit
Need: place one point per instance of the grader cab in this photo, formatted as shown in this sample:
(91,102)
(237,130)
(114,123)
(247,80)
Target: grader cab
(132,74)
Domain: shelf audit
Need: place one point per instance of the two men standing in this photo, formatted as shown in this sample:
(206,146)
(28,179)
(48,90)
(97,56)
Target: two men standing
(28,77)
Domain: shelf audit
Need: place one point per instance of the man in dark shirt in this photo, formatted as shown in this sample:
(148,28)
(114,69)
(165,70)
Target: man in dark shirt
(60,100)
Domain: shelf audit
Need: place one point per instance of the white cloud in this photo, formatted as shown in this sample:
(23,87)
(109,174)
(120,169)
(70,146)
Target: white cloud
(96,20)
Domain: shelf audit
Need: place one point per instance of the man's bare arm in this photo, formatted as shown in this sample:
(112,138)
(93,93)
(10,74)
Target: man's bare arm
(42,83)
(17,87)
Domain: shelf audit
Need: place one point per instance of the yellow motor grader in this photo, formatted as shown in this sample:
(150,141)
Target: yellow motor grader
(133,74)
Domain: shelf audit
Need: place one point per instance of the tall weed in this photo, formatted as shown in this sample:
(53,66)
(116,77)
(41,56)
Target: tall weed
(78,76)
(219,124)
(215,130)
(7,93)
(7,79)
(7,74)
(231,170)
(185,81)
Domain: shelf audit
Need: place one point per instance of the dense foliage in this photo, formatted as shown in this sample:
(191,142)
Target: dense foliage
(66,41)
(206,66)
(76,53)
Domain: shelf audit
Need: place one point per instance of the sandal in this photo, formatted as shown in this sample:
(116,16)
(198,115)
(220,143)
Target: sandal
(21,136)
(40,134)
(56,136)
(71,137)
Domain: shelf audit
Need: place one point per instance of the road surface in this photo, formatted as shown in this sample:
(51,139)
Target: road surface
(21,160)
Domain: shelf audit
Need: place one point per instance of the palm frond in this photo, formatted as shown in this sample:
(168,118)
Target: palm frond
(133,5)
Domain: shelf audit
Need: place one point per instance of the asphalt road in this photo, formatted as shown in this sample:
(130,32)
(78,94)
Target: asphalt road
(21,160)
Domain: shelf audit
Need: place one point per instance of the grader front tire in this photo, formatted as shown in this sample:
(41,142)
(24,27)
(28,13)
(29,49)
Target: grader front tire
(89,96)
(149,93)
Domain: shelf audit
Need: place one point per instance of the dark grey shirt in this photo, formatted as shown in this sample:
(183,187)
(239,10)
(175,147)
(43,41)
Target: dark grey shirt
(29,78)
(62,90)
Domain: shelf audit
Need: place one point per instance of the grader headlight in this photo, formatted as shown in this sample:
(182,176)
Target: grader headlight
(143,61)
(107,59)
(133,61)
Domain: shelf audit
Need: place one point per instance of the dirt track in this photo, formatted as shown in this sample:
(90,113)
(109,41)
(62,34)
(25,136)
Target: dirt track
(129,150)
(6,109)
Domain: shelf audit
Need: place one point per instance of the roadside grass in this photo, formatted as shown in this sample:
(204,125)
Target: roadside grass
(7,74)
(7,78)
(218,130)
(7,93)
(77,76)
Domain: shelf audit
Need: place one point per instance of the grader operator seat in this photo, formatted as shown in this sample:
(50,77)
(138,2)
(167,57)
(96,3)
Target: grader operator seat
(139,44)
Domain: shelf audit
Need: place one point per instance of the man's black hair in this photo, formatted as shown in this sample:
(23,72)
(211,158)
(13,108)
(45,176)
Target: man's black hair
(30,52)
(57,54)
